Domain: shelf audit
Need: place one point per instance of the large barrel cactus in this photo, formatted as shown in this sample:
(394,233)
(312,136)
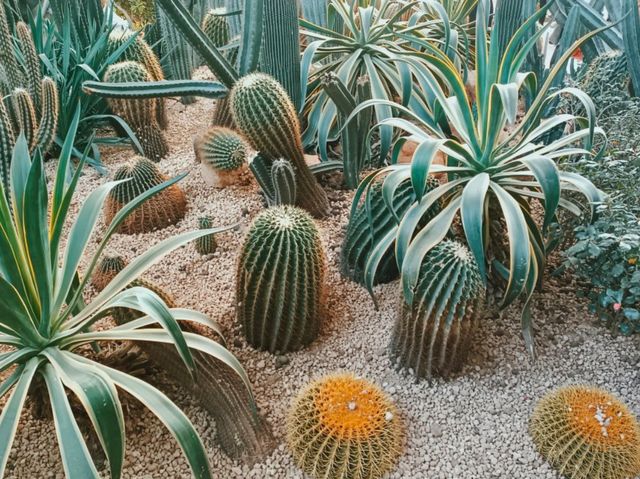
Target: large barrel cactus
(280,281)
(432,335)
(216,27)
(140,114)
(263,112)
(343,427)
(587,433)
(222,151)
(367,227)
(241,432)
(161,210)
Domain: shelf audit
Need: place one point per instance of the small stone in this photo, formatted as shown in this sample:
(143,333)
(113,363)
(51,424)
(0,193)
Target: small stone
(281,361)
(435,430)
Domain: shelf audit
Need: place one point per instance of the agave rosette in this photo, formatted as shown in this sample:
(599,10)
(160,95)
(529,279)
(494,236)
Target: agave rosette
(492,155)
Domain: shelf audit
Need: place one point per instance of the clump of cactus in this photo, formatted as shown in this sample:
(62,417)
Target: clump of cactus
(432,335)
(161,210)
(280,281)
(224,152)
(344,427)
(140,114)
(206,244)
(276,179)
(216,27)
(138,50)
(263,112)
(587,433)
(370,222)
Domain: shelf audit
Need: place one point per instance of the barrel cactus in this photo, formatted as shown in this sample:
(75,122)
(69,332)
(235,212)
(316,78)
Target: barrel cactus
(163,209)
(344,427)
(447,302)
(263,112)
(365,230)
(280,280)
(206,244)
(587,433)
(222,152)
(140,114)
(216,27)
(108,268)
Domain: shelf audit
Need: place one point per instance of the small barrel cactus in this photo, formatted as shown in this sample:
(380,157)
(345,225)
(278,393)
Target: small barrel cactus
(587,433)
(140,114)
(280,281)
(224,153)
(276,179)
(216,27)
(343,427)
(107,269)
(161,210)
(365,230)
(263,112)
(206,244)
(446,305)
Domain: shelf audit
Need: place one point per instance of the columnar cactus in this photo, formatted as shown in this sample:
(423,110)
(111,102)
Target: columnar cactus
(587,433)
(139,51)
(206,244)
(140,114)
(224,152)
(280,281)
(33,78)
(276,179)
(365,230)
(23,115)
(343,427)
(432,335)
(263,112)
(161,210)
(216,27)
(7,141)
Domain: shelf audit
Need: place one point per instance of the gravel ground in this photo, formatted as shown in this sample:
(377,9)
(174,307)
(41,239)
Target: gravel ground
(473,426)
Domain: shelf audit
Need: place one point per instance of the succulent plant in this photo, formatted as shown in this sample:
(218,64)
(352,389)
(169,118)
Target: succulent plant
(276,179)
(433,334)
(263,112)
(33,78)
(587,433)
(161,210)
(139,51)
(216,27)
(140,114)
(367,227)
(344,427)
(108,268)
(206,244)
(223,153)
(280,280)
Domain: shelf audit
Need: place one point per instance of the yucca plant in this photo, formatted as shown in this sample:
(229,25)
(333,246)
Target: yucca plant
(497,165)
(47,328)
(372,39)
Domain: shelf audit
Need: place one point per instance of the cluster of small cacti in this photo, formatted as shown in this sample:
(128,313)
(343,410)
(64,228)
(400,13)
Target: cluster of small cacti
(587,433)
(432,335)
(371,221)
(224,152)
(206,244)
(276,179)
(161,210)
(140,114)
(280,280)
(344,427)
(264,114)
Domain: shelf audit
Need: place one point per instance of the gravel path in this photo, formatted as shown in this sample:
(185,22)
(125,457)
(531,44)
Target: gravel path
(474,426)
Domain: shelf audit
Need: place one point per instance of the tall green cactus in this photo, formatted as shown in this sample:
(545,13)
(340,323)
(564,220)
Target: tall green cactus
(276,179)
(33,79)
(141,114)
(23,115)
(631,37)
(280,50)
(7,141)
(280,280)
(12,73)
(263,112)
(432,336)
(315,11)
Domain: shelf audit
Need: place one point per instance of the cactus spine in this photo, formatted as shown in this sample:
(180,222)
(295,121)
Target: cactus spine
(280,281)
(216,27)
(343,427)
(587,433)
(263,112)
(206,244)
(161,210)
(140,114)
(366,228)
(432,335)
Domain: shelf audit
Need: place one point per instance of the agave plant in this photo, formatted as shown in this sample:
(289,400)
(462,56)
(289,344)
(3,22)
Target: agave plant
(374,41)
(497,165)
(46,327)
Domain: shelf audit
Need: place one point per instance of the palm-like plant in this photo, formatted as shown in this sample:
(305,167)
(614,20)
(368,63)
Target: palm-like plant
(373,41)
(496,164)
(46,326)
